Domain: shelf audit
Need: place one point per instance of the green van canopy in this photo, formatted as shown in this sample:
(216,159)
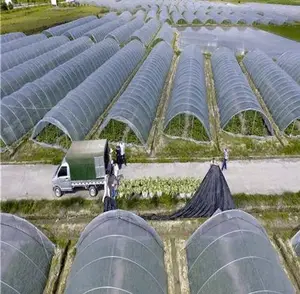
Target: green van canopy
(86,159)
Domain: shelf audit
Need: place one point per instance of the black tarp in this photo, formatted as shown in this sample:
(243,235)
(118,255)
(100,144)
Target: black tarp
(212,194)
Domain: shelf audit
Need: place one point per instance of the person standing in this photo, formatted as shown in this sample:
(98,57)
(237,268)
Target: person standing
(225,159)
(116,171)
(122,151)
(118,155)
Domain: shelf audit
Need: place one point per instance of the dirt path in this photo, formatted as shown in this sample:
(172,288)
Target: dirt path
(252,177)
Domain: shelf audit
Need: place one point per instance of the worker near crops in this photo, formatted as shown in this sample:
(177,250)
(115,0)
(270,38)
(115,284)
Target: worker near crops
(122,152)
(225,159)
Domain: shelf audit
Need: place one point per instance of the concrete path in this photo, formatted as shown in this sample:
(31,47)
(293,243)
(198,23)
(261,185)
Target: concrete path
(259,176)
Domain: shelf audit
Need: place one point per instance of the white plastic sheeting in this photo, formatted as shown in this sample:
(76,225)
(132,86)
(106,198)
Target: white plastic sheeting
(60,29)
(26,255)
(11,36)
(233,92)
(147,32)
(16,77)
(231,253)
(279,91)
(138,104)
(166,33)
(79,31)
(76,114)
(22,42)
(18,56)
(290,62)
(21,110)
(118,252)
(122,34)
(189,90)
(98,34)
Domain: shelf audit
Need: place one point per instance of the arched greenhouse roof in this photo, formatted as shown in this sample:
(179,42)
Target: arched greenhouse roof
(233,92)
(26,255)
(19,43)
(231,253)
(16,77)
(147,32)
(279,91)
(98,34)
(11,36)
(140,13)
(290,62)
(189,16)
(189,89)
(76,114)
(176,16)
(296,243)
(151,14)
(118,252)
(166,33)
(138,104)
(15,57)
(21,110)
(79,31)
(60,29)
(122,34)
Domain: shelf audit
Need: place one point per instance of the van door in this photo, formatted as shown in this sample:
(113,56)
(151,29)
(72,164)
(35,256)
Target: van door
(63,179)
(99,167)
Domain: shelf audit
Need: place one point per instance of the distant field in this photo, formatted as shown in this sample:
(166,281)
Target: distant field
(288,31)
(37,19)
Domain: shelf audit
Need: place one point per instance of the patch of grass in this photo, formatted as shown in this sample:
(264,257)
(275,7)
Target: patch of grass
(51,208)
(286,31)
(36,19)
(30,151)
(293,129)
(186,150)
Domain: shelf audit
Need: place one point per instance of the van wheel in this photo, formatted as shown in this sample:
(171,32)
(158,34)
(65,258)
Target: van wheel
(93,191)
(57,192)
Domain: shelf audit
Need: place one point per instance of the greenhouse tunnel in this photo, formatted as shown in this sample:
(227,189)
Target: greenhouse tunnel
(279,91)
(235,96)
(296,243)
(30,70)
(11,37)
(20,43)
(146,33)
(23,109)
(122,34)
(77,113)
(231,253)
(26,255)
(290,62)
(189,94)
(60,29)
(166,33)
(137,106)
(98,34)
(79,31)
(118,252)
(18,56)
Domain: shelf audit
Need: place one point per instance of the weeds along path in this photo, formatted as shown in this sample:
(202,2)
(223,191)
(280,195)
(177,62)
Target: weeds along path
(277,132)
(214,118)
(156,133)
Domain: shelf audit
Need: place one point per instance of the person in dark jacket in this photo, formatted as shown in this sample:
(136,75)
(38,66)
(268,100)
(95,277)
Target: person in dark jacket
(119,157)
